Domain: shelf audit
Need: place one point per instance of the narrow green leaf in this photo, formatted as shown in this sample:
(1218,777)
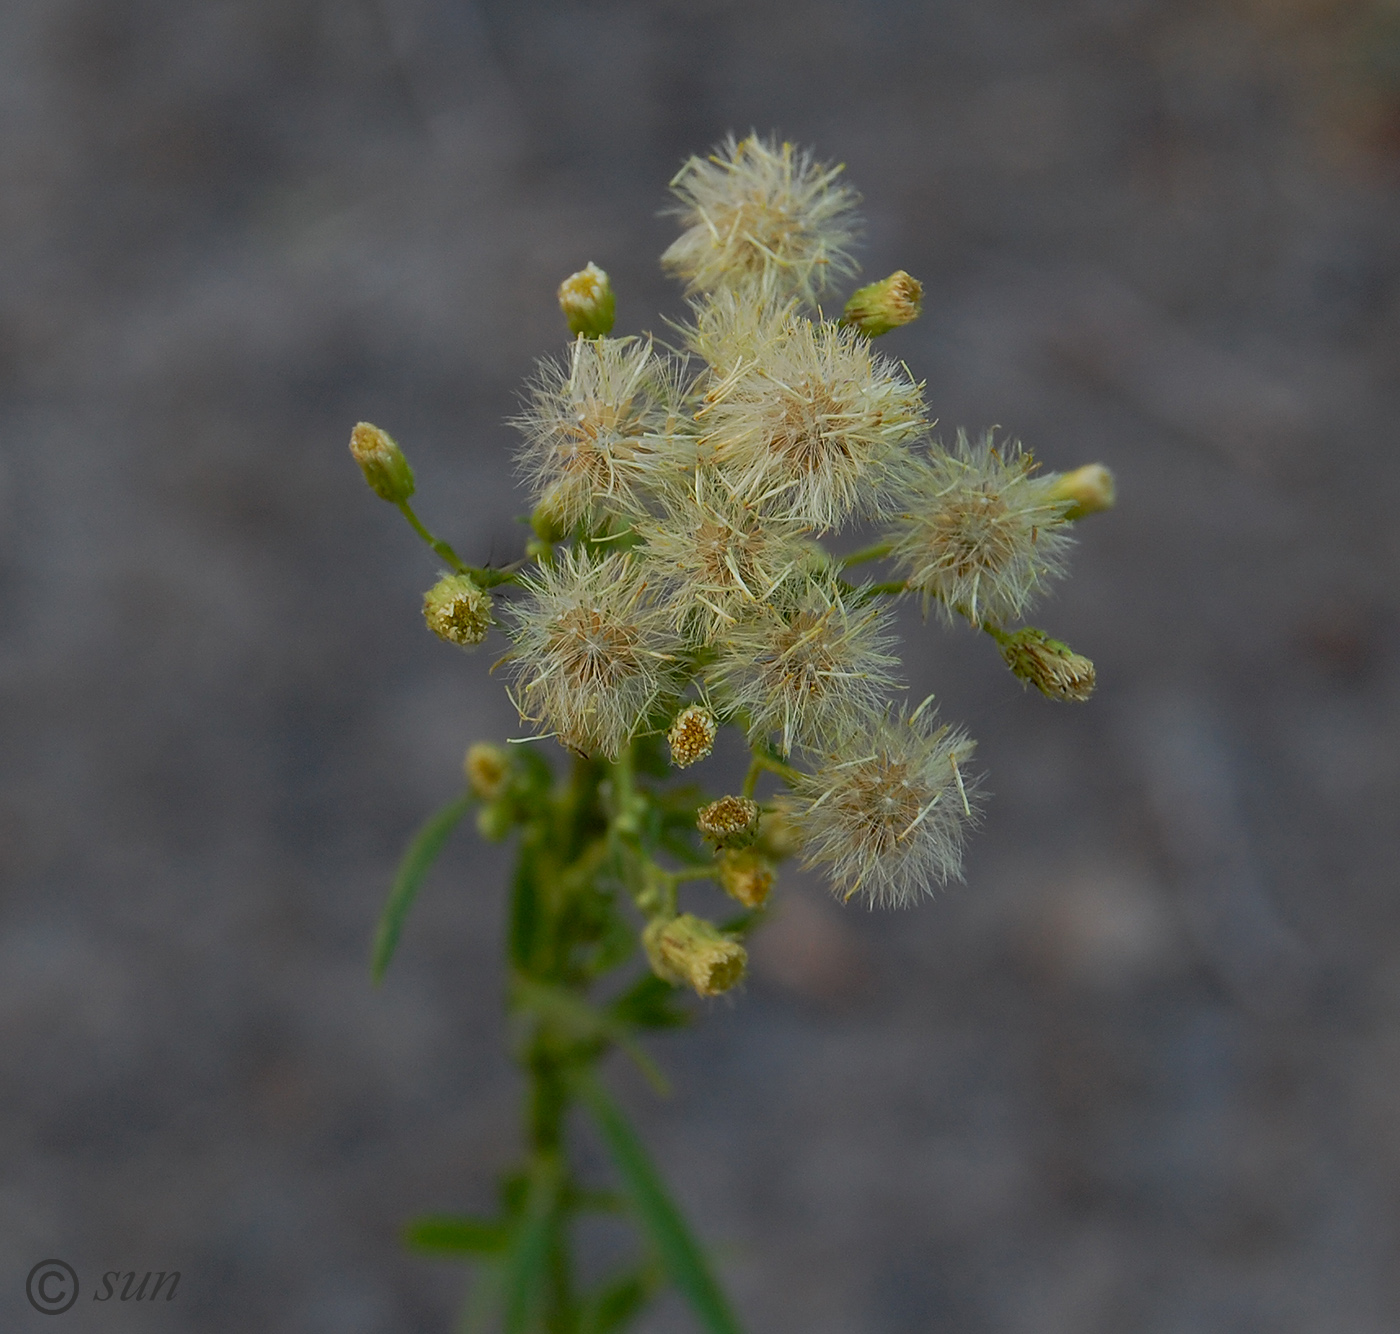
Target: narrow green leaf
(620,1301)
(451,1234)
(649,1003)
(523,925)
(680,1253)
(527,1258)
(417,861)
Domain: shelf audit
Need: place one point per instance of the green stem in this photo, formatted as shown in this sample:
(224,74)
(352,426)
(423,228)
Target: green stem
(486,578)
(876,551)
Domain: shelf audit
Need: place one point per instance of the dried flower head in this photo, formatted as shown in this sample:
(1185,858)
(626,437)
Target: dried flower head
(689,950)
(1051,667)
(599,428)
(593,650)
(692,735)
(733,329)
(983,534)
(458,610)
(730,822)
(756,209)
(819,430)
(587,301)
(746,875)
(721,557)
(886,817)
(809,668)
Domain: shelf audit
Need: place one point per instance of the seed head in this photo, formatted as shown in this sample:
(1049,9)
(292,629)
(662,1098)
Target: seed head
(1051,667)
(733,330)
(458,610)
(888,304)
(755,210)
(818,431)
(746,875)
(599,427)
(587,300)
(887,816)
(983,534)
(593,650)
(730,822)
(809,667)
(689,950)
(692,735)
(722,558)
(382,462)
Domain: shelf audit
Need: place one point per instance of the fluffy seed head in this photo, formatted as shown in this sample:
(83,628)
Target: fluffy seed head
(687,950)
(588,303)
(886,817)
(732,330)
(746,875)
(458,610)
(983,534)
(729,822)
(1051,667)
(808,668)
(721,557)
(593,650)
(599,427)
(819,430)
(692,735)
(757,210)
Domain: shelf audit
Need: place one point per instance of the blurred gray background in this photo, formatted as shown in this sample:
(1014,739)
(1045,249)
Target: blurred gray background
(1141,1073)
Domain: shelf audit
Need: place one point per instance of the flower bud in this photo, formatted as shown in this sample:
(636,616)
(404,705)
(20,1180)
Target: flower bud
(885,305)
(779,836)
(746,875)
(458,610)
(730,822)
(494,820)
(692,735)
(1089,489)
(1051,667)
(587,300)
(688,950)
(487,768)
(382,462)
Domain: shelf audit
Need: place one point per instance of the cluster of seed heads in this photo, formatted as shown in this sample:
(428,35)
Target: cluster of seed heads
(678,579)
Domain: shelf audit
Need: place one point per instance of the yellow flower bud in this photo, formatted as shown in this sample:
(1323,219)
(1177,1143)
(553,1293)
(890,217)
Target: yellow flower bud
(487,768)
(692,735)
(729,822)
(587,300)
(1051,667)
(382,462)
(458,610)
(886,305)
(1089,489)
(746,875)
(688,950)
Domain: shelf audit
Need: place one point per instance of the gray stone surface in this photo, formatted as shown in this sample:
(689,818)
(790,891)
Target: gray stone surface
(1141,1072)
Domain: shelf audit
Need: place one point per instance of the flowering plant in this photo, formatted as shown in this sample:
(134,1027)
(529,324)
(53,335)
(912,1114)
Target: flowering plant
(677,581)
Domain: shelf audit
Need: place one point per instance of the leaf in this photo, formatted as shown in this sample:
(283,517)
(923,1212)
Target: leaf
(616,1303)
(417,862)
(524,905)
(648,1003)
(524,1264)
(679,1252)
(452,1234)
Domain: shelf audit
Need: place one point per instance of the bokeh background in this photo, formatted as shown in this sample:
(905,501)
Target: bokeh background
(1140,1073)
